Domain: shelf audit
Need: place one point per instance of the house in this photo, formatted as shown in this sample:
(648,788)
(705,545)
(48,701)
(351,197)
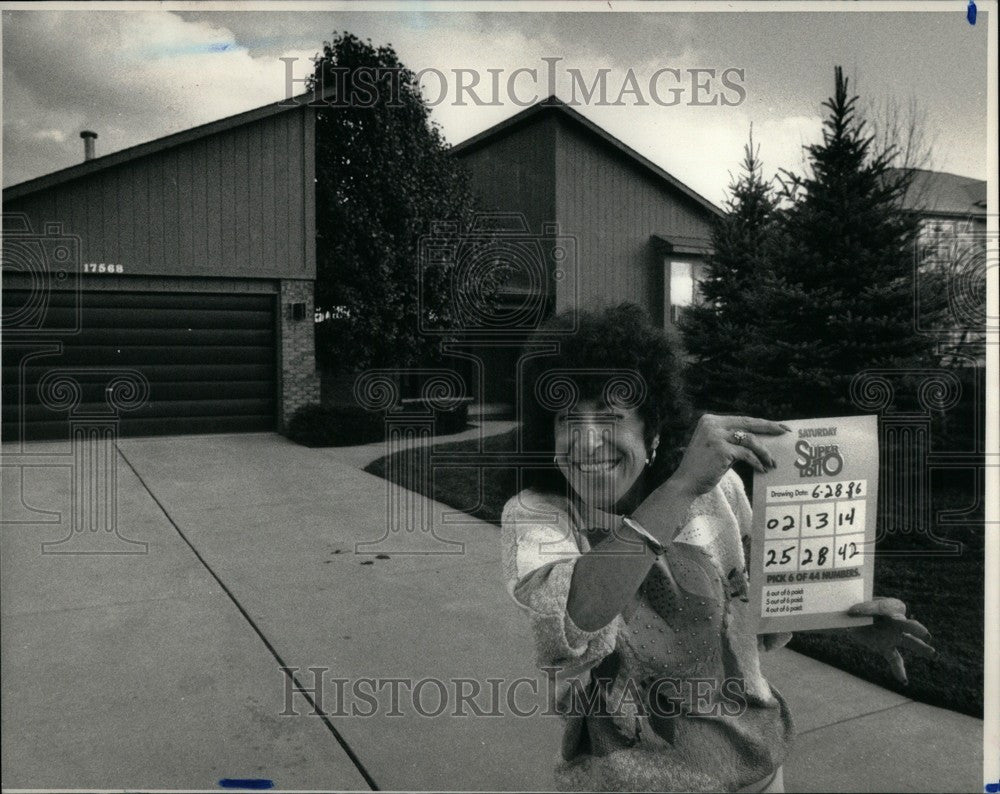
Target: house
(947,203)
(952,240)
(185,265)
(189,262)
(627,229)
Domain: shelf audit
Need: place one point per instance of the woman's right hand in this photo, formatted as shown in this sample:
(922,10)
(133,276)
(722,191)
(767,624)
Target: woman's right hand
(714,448)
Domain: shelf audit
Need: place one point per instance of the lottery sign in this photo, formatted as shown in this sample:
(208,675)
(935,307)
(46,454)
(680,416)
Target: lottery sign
(813,539)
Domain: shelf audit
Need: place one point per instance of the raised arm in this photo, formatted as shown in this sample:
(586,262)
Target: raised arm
(605,579)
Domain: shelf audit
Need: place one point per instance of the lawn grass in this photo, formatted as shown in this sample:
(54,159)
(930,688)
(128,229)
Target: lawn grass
(463,488)
(946,595)
(944,592)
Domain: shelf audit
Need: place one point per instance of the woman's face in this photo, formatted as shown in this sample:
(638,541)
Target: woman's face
(601,451)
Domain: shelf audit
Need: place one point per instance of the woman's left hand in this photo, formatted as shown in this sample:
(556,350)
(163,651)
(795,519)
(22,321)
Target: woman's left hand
(891,631)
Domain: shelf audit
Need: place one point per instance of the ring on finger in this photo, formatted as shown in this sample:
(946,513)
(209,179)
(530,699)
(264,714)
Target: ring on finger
(739,437)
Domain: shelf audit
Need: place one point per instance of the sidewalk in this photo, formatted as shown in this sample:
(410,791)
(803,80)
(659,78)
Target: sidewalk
(162,670)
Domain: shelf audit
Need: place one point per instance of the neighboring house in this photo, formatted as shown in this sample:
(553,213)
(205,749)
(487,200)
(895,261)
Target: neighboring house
(947,203)
(952,239)
(629,231)
(189,260)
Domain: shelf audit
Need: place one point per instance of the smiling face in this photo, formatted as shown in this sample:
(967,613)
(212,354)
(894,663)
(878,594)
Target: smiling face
(601,451)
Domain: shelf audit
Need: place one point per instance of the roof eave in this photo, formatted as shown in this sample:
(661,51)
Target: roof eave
(686,247)
(558,106)
(88,167)
(976,213)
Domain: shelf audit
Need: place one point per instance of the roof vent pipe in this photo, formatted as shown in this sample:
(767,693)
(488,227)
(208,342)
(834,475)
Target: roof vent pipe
(89,136)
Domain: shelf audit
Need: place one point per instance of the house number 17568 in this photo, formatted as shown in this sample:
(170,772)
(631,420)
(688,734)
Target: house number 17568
(95,267)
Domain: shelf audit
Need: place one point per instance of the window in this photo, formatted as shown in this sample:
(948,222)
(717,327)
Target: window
(944,243)
(935,228)
(684,276)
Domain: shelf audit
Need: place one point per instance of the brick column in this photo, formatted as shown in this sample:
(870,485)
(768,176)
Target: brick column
(297,351)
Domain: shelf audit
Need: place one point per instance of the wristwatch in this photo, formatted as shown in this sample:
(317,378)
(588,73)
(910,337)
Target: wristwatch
(657,548)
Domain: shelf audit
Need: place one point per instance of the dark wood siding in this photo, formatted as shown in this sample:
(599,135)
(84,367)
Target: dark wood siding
(613,206)
(551,168)
(517,173)
(237,203)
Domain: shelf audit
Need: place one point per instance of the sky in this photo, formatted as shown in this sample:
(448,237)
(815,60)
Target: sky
(134,76)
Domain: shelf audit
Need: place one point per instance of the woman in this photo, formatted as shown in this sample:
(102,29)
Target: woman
(627,554)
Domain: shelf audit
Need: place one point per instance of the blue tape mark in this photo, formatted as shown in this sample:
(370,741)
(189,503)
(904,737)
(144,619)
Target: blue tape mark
(256,783)
(970,14)
(192,49)
(992,788)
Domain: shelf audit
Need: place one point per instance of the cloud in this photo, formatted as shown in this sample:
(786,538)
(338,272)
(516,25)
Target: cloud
(140,76)
(136,76)
(703,146)
(58,136)
(700,145)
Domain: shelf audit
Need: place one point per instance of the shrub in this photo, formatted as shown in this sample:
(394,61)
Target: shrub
(317,425)
(347,425)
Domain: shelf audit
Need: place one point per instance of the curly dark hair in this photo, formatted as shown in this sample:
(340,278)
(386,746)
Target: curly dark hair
(607,345)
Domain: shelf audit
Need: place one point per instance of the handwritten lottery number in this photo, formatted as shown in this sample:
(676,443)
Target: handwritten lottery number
(822,520)
(773,559)
(807,556)
(850,517)
(789,524)
(848,551)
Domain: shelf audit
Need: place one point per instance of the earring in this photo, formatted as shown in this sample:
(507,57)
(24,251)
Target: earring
(652,457)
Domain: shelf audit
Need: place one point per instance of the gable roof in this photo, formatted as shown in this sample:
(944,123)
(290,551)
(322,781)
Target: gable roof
(307,99)
(88,167)
(554,105)
(941,193)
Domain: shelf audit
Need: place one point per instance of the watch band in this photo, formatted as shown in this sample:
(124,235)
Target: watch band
(657,548)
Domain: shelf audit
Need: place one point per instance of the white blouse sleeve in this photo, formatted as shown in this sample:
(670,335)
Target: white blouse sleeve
(539,554)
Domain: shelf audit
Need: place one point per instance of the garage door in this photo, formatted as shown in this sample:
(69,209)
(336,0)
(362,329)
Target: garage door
(209,360)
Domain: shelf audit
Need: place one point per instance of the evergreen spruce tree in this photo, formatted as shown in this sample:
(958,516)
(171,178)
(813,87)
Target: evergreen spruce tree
(718,330)
(837,297)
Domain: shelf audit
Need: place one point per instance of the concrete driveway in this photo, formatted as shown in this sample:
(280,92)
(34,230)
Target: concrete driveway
(175,668)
